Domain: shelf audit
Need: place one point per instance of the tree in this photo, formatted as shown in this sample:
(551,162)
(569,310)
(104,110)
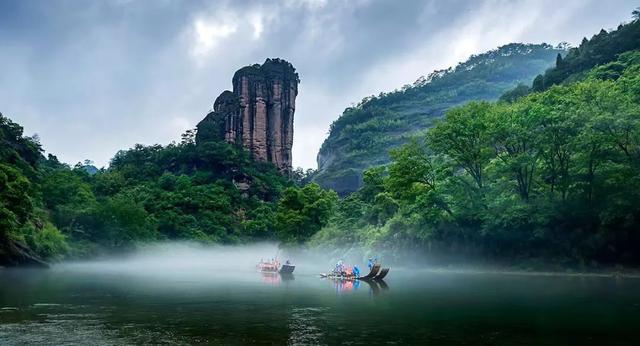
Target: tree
(538,83)
(302,177)
(118,222)
(411,166)
(373,179)
(559,60)
(303,211)
(515,141)
(463,136)
(15,203)
(518,92)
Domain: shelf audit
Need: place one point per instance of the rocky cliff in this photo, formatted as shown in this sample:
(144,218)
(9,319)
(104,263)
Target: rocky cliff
(258,113)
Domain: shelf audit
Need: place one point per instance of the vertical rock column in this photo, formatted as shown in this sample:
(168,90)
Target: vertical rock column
(246,109)
(288,112)
(258,114)
(259,131)
(275,125)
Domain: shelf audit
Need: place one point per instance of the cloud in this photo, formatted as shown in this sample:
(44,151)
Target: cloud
(209,33)
(92,78)
(257,24)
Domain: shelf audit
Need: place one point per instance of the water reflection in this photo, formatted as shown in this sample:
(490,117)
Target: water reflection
(275,279)
(118,304)
(342,286)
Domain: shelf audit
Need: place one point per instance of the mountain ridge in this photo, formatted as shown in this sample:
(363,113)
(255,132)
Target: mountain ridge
(361,137)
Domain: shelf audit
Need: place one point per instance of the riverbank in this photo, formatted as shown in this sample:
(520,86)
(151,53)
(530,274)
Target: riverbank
(16,254)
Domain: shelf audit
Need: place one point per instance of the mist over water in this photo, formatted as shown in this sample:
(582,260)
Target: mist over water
(177,259)
(183,259)
(187,293)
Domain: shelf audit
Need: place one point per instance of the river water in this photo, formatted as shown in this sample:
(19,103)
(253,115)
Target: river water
(150,302)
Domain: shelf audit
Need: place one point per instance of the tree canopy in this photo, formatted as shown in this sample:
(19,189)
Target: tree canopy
(553,175)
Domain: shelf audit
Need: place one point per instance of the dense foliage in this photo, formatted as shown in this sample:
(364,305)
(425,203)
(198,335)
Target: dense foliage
(553,175)
(600,49)
(362,136)
(22,216)
(209,192)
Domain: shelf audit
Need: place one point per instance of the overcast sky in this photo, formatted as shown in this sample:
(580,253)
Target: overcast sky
(93,77)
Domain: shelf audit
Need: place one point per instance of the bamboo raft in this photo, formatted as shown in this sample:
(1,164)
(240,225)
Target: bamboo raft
(376,274)
(274,267)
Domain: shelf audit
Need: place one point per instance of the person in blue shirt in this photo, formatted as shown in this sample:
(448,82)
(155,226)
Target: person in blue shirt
(356,271)
(370,263)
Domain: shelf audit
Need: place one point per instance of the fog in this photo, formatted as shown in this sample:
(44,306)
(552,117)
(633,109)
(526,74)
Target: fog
(190,261)
(194,259)
(189,293)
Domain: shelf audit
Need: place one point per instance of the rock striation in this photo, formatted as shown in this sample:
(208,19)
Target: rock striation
(258,113)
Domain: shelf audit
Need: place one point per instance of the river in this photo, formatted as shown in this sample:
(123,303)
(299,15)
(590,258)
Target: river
(148,301)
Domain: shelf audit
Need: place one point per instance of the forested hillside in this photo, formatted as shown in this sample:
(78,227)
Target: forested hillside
(23,219)
(208,192)
(552,175)
(600,49)
(363,135)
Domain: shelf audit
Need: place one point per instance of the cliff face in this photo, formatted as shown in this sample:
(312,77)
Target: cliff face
(258,113)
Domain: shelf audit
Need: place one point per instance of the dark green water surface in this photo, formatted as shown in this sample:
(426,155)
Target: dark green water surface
(86,306)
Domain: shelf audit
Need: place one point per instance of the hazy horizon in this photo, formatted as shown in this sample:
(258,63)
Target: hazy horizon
(93,78)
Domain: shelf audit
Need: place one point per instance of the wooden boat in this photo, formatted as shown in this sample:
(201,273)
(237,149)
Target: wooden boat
(287,269)
(374,271)
(383,272)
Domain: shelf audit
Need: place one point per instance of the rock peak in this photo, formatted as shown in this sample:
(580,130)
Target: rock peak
(258,113)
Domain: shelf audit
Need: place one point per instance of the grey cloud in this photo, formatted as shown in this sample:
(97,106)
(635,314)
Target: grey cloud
(95,77)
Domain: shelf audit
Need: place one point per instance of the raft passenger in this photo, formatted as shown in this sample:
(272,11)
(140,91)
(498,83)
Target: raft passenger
(356,271)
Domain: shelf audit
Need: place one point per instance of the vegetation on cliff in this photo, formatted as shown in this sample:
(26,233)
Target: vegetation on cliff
(210,192)
(24,223)
(216,185)
(600,49)
(362,136)
(552,175)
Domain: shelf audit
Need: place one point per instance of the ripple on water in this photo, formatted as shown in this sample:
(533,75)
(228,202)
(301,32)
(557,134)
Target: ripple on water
(307,325)
(64,324)
(58,332)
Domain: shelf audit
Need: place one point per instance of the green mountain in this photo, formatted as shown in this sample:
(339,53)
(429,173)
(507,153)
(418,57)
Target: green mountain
(600,49)
(362,136)
(552,175)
